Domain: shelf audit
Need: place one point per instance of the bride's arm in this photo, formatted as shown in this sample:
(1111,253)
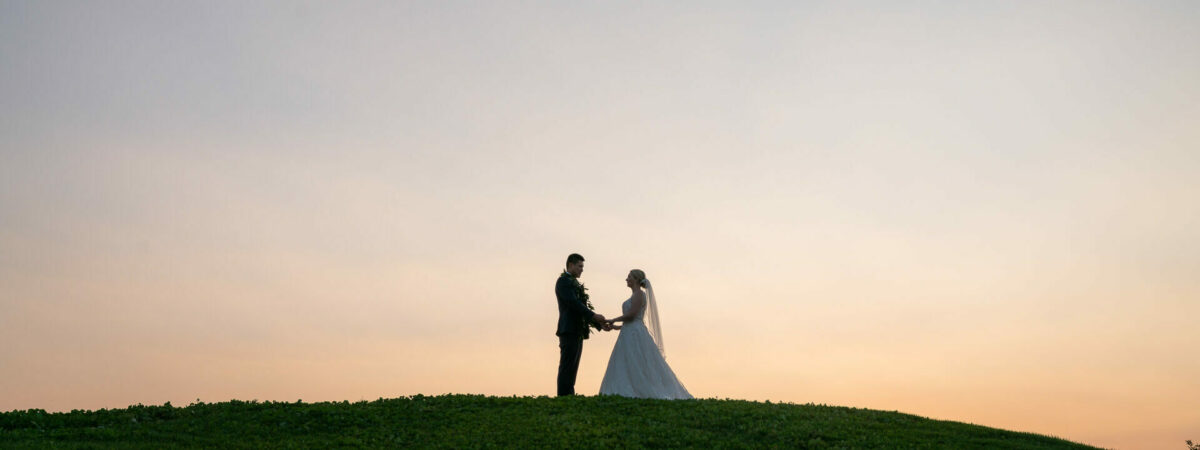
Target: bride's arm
(639,300)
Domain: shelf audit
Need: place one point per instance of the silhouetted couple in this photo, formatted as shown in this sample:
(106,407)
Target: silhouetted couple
(638,365)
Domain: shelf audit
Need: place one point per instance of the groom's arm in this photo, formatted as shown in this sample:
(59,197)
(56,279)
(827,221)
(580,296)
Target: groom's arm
(566,294)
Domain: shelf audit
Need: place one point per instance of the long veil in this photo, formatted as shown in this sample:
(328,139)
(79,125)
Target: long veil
(650,319)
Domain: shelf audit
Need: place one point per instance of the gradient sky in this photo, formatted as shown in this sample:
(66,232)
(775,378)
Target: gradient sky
(975,211)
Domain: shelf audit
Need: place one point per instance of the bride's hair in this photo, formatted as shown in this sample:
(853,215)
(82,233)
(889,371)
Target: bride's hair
(638,276)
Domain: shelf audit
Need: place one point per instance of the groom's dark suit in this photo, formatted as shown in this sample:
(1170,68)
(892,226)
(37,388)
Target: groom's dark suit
(571,329)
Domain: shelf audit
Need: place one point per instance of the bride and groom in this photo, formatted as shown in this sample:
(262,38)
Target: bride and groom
(638,365)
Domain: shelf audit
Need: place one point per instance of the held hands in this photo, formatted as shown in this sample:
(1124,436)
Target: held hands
(605,324)
(611,325)
(600,321)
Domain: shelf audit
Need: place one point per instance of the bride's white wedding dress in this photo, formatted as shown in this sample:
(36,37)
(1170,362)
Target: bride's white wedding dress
(637,367)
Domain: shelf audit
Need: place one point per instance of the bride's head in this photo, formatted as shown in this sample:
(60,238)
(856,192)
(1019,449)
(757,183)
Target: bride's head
(636,278)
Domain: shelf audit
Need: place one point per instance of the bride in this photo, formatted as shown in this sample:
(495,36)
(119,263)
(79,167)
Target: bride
(638,365)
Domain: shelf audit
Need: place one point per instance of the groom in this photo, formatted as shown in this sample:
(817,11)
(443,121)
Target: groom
(574,316)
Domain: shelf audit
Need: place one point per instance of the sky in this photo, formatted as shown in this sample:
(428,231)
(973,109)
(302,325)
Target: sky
(974,211)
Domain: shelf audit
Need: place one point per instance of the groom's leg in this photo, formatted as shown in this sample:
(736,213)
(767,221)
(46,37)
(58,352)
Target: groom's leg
(569,350)
(575,364)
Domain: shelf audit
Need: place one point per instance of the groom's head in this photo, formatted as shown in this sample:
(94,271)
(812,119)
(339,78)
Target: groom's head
(575,265)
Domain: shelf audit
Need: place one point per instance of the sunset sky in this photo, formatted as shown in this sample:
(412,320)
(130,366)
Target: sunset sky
(986,212)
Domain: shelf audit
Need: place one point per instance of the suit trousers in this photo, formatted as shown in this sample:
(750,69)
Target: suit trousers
(570,348)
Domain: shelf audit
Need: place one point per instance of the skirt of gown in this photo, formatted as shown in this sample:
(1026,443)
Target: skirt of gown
(637,369)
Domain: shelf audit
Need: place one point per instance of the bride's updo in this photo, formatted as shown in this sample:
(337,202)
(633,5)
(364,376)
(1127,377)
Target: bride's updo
(639,277)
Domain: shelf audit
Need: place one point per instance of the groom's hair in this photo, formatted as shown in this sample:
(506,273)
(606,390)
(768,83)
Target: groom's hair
(574,258)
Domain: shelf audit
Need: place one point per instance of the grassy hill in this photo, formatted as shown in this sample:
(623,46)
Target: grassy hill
(478,421)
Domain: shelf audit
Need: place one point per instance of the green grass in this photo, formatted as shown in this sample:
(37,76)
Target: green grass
(479,421)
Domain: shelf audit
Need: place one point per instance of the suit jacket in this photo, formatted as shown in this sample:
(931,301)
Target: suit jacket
(571,309)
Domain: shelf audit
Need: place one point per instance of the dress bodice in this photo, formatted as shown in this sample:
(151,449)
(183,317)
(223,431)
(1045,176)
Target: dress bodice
(629,304)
